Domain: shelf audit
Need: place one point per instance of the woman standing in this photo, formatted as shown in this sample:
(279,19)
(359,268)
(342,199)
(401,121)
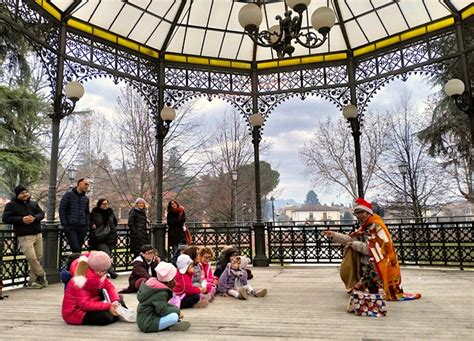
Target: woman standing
(175,219)
(137,223)
(103,232)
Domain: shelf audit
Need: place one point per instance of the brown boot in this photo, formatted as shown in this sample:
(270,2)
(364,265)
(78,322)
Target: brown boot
(243,295)
(201,304)
(260,293)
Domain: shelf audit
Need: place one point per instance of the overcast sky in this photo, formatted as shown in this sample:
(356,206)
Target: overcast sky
(288,127)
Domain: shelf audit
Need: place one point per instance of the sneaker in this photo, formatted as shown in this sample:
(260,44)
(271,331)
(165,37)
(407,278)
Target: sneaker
(180,326)
(260,293)
(113,274)
(201,304)
(243,295)
(34,285)
(126,315)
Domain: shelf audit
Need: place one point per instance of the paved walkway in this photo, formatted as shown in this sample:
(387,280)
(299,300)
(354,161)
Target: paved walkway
(303,303)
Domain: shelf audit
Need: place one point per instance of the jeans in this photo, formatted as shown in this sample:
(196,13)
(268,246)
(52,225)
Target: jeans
(75,237)
(167,321)
(32,248)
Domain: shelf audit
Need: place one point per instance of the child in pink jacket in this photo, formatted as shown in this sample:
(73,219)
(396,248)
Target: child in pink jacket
(90,298)
(190,295)
(207,278)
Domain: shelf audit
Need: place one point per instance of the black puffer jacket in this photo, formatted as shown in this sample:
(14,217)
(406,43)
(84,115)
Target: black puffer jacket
(137,223)
(14,212)
(100,217)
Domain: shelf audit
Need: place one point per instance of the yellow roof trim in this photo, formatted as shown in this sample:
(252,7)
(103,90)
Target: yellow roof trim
(148,51)
(198,60)
(104,34)
(176,58)
(335,56)
(289,62)
(220,62)
(364,50)
(468,12)
(267,65)
(49,8)
(413,33)
(80,25)
(241,65)
(440,24)
(312,59)
(387,42)
(130,44)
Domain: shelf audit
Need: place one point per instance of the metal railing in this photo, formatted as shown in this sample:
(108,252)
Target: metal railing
(441,244)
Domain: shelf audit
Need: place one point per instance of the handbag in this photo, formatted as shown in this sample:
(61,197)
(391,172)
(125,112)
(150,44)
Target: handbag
(187,235)
(102,232)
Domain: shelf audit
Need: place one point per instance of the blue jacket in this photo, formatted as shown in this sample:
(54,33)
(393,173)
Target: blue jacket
(74,209)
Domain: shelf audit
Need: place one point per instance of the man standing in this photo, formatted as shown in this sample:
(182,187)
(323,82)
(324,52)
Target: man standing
(74,214)
(25,215)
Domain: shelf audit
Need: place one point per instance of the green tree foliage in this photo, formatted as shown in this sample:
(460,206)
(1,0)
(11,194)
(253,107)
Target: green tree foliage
(312,198)
(21,159)
(14,57)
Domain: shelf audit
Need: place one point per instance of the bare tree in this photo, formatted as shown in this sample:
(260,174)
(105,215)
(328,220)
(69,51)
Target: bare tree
(329,157)
(426,181)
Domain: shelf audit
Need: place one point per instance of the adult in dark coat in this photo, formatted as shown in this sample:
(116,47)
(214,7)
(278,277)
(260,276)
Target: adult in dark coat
(137,223)
(25,215)
(74,214)
(102,216)
(175,218)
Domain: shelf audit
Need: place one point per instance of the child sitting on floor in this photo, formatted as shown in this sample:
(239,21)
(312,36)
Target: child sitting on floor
(190,296)
(154,313)
(143,268)
(66,274)
(90,297)
(233,281)
(207,278)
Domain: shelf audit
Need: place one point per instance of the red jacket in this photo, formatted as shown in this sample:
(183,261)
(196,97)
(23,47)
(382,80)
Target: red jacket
(82,295)
(206,274)
(184,284)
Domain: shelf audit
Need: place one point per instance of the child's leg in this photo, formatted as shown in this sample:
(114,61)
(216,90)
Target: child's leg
(167,321)
(99,318)
(189,300)
(249,288)
(233,293)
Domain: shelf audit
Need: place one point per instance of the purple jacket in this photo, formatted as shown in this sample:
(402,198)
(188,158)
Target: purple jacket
(227,279)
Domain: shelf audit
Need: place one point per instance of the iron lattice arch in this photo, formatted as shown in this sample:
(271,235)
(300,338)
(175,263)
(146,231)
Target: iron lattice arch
(88,56)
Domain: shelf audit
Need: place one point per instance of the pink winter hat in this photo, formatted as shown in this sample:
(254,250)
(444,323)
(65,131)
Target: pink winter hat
(99,261)
(165,272)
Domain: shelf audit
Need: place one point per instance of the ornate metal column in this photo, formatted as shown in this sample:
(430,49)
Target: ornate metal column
(62,107)
(163,118)
(256,120)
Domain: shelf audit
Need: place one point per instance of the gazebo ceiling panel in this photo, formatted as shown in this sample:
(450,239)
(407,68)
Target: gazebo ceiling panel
(210,28)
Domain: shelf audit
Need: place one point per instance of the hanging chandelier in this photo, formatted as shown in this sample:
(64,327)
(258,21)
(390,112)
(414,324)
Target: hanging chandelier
(280,36)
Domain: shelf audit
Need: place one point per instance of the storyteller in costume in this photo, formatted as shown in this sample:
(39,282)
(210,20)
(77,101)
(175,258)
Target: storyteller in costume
(370,244)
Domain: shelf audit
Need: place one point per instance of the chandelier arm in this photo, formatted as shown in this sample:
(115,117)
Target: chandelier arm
(312,40)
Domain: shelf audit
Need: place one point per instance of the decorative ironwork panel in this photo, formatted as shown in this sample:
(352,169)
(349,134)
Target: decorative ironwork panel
(415,54)
(13,265)
(336,75)
(218,236)
(220,81)
(290,80)
(442,45)
(268,82)
(198,79)
(241,83)
(389,62)
(313,77)
(176,77)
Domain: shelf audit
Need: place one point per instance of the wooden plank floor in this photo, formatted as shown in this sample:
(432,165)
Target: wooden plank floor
(303,303)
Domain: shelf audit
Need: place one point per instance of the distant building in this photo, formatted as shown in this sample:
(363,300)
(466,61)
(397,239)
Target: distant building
(309,213)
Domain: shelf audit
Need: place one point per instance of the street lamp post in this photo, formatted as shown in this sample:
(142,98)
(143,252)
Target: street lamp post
(167,115)
(235,176)
(350,114)
(462,95)
(403,168)
(256,121)
(72,171)
(65,107)
(272,199)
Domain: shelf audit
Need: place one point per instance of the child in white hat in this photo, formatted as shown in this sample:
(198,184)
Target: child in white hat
(154,313)
(189,294)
